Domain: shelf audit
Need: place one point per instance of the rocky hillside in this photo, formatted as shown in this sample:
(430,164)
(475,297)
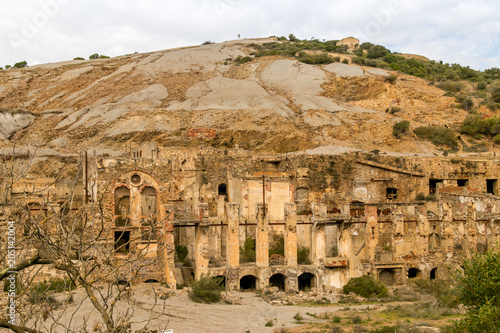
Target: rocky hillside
(270,104)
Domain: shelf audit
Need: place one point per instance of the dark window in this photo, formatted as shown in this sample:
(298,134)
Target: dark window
(122,241)
(463,182)
(391,193)
(433,184)
(222,189)
(491,186)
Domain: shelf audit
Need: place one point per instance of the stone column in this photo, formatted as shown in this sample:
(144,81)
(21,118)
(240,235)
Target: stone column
(423,232)
(318,243)
(471,229)
(232,246)
(262,238)
(291,234)
(201,248)
(371,232)
(397,234)
(167,215)
(448,230)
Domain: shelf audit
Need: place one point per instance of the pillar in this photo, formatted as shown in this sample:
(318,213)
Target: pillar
(471,229)
(262,238)
(291,234)
(423,232)
(232,246)
(371,232)
(167,215)
(397,234)
(318,243)
(447,243)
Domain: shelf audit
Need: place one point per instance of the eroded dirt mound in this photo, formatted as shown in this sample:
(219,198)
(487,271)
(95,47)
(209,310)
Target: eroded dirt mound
(267,104)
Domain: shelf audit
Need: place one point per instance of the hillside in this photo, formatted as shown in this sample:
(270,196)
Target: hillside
(270,104)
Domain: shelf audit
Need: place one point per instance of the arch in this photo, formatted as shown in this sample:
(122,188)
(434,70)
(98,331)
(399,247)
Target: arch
(387,276)
(278,280)
(222,189)
(434,241)
(248,282)
(151,281)
(122,205)
(148,201)
(123,283)
(307,281)
(433,274)
(414,273)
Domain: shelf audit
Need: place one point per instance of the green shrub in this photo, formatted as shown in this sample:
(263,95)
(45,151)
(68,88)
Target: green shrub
(21,64)
(57,285)
(78,58)
(247,251)
(442,290)
(94,56)
(365,286)
(496,139)
(393,110)
(206,290)
(400,127)
(437,135)
(277,245)
(345,61)
(269,323)
(475,125)
(336,319)
(467,104)
(303,255)
(182,252)
(314,59)
(356,320)
(244,60)
(479,290)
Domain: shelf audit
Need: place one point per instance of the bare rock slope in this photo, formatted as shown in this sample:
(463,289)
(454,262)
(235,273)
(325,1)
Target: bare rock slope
(270,104)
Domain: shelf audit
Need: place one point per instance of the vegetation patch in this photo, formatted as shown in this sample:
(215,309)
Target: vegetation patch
(437,135)
(365,286)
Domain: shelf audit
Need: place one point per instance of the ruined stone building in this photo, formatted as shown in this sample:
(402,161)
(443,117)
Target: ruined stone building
(338,216)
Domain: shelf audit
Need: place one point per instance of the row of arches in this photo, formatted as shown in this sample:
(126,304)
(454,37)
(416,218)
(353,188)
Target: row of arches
(148,197)
(388,275)
(305,281)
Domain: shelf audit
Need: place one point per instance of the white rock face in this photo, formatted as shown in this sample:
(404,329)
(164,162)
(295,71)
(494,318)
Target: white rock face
(13,121)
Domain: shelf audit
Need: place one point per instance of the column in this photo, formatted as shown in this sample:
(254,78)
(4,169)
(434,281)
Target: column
(262,238)
(232,246)
(291,234)
(371,232)
(167,215)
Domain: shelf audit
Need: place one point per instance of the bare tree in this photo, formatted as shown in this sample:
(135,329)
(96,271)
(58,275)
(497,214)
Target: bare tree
(68,237)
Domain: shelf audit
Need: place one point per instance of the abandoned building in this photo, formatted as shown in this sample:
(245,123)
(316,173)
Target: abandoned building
(337,216)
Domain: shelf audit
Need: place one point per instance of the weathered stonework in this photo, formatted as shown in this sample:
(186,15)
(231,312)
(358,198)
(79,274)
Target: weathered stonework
(393,217)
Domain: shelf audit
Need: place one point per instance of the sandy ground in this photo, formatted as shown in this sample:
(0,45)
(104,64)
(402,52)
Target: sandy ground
(180,313)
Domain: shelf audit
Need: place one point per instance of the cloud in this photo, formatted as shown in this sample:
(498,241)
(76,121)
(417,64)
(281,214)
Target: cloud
(41,31)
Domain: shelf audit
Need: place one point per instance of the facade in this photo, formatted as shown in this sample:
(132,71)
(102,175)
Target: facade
(353,214)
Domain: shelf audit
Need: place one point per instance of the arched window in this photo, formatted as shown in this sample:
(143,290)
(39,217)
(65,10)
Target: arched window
(434,241)
(278,280)
(387,276)
(148,201)
(306,281)
(248,282)
(222,189)
(122,206)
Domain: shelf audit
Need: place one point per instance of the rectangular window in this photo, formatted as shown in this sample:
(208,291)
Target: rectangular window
(492,186)
(462,182)
(433,185)
(122,242)
(391,193)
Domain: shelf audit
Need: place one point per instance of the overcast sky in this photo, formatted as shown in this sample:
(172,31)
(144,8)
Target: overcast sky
(44,31)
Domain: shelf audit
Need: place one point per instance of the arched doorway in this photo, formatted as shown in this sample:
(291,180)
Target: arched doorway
(248,282)
(414,273)
(387,276)
(307,281)
(151,281)
(433,274)
(278,280)
(222,189)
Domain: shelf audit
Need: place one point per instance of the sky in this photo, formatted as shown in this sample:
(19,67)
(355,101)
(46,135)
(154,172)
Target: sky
(46,31)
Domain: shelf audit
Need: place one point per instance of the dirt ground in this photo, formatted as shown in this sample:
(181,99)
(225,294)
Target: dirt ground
(250,314)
